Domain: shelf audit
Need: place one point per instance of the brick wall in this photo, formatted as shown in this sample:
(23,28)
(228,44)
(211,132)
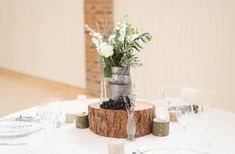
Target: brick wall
(100,12)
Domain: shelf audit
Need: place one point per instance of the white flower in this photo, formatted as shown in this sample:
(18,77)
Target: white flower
(111,38)
(106,50)
(122,32)
(98,36)
(116,28)
(95,41)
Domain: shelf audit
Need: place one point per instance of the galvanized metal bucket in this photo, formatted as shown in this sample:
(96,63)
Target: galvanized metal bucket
(120,83)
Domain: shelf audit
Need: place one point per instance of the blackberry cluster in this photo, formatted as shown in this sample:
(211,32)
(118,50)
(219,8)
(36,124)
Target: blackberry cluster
(122,103)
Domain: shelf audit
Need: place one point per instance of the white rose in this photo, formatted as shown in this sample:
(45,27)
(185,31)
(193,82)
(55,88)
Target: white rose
(106,50)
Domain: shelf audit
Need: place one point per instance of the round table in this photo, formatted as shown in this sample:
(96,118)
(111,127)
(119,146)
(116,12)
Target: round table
(69,139)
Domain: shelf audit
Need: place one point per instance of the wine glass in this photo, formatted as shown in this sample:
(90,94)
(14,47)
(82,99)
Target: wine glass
(203,110)
(55,111)
(45,117)
(184,118)
(49,115)
(179,100)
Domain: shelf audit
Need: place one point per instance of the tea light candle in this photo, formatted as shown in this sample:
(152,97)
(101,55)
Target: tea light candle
(69,118)
(160,127)
(173,115)
(81,120)
(116,148)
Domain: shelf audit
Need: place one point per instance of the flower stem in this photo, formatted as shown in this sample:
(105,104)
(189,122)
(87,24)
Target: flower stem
(112,61)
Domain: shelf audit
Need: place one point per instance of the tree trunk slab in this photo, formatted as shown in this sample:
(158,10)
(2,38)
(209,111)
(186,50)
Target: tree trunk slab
(112,123)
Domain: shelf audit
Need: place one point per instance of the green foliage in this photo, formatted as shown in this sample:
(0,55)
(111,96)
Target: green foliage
(144,38)
(107,71)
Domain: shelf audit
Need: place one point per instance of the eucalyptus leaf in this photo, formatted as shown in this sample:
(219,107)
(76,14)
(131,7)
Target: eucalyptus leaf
(107,71)
(138,45)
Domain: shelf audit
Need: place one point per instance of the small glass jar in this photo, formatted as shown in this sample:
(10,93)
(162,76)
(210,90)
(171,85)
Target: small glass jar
(161,110)
(82,104)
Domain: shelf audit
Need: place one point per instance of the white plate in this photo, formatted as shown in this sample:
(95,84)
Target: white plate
(11,128)
(177,151)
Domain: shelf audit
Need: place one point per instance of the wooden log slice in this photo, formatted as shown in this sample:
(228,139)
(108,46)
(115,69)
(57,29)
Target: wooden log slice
(112,123)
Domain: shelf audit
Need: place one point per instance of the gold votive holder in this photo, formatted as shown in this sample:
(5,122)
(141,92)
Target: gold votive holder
(81,120)
(116,147)
(173,115)
(160,127)
(69,118)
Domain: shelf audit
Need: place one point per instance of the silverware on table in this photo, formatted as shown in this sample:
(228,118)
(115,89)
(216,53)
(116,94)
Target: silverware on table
(142,151)
(21,143)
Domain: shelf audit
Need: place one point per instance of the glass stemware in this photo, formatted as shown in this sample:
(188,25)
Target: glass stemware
(49,116)
(204,117)
(44,116)
(203,110)
(56,111)
(184,117)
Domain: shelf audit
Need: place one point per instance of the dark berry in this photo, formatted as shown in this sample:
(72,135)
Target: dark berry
(128,99)
(118,106)
(101,105)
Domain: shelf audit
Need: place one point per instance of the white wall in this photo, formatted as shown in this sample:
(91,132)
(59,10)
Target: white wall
(193,45)
(44,38)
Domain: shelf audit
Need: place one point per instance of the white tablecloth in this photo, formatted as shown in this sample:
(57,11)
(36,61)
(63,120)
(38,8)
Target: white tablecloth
(69,139)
